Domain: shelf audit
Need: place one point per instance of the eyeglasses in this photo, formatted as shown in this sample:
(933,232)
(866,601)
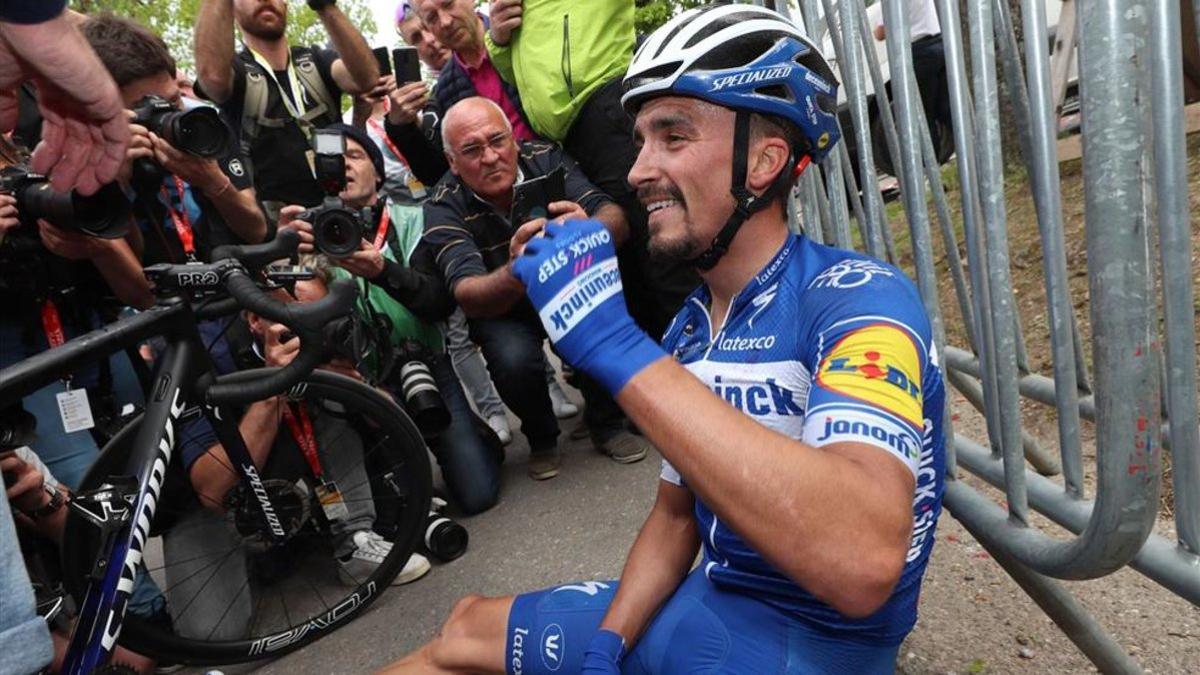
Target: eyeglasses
(474,151)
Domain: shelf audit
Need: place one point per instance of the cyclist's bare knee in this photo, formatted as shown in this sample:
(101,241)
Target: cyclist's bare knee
(471,640)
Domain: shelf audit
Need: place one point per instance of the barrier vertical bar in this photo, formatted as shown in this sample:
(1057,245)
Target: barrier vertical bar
(1175,251)
(850,60)
(1047,191)
(991,195)
(884,106)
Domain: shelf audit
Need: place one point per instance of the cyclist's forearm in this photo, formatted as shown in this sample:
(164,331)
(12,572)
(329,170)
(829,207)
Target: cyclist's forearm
(660,558)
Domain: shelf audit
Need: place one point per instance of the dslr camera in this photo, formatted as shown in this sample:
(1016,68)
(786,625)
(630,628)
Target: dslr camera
(337,228)
(104,214)
(199,131)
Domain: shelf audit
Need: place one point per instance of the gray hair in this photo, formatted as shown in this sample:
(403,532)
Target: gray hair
(487,101)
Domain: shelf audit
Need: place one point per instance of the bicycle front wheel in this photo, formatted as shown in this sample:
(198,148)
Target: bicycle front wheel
(234,594)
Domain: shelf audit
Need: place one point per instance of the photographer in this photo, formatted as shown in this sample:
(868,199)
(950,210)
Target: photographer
(276,95)
(185,204)
(400,283)
(275,430)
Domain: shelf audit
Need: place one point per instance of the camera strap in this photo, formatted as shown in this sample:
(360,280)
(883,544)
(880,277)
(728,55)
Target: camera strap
(183,223)
(302,430)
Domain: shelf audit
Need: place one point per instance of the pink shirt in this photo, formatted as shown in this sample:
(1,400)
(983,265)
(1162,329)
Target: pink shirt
(488,85)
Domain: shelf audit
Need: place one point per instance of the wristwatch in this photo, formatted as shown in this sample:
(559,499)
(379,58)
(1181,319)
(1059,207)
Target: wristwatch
(316,5)
(55,503)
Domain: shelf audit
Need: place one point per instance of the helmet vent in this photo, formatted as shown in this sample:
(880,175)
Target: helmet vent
(776,91)
(716,26)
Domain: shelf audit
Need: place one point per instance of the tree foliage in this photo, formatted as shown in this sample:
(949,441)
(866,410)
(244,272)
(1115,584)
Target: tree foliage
(175,20)
(651,14)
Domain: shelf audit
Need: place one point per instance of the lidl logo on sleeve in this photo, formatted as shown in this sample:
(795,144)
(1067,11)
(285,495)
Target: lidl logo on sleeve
(880,365)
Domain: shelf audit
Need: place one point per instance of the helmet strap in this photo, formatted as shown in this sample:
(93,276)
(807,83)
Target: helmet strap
(746,203)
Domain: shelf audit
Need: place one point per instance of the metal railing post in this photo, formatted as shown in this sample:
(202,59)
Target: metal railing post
(1175,251)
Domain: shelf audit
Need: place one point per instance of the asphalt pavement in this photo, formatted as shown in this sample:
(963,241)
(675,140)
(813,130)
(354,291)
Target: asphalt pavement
(577,526)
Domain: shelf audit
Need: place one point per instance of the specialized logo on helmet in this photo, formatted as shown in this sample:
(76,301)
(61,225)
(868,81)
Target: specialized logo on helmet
(751,77)
(823,140)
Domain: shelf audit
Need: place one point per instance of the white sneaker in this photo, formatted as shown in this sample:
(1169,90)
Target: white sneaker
(563,408)
(369,551)
(499,424)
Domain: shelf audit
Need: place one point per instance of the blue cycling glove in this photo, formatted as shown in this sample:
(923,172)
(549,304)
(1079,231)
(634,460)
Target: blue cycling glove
(604,654)
(571,276)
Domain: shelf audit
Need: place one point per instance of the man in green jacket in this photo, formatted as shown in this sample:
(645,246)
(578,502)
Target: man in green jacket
(578,104)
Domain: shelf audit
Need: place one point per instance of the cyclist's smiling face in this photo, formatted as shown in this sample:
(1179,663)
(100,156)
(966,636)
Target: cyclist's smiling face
(682,173)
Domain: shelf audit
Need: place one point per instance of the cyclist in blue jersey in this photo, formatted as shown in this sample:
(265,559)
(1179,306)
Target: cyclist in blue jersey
(800,416)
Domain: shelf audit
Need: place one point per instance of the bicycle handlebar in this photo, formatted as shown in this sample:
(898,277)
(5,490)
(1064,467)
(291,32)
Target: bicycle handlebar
(304,319)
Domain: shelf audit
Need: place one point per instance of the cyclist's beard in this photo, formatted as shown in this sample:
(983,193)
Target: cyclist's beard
(683,246)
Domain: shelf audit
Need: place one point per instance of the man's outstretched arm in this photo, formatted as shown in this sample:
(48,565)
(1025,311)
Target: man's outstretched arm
(356,71)
(214,49)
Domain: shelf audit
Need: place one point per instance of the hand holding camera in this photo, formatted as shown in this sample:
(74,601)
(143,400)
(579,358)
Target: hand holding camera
(180,142)
(280,346)
(366,262)
(290,219)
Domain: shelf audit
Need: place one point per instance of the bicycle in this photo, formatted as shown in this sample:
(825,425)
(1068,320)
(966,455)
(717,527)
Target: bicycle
(119,506)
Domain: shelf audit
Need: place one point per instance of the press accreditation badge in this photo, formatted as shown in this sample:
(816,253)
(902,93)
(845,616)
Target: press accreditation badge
(332,502)
(75,411)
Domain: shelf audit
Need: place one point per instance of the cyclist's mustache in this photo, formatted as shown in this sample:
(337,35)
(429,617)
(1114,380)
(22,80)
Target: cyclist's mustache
(658,193)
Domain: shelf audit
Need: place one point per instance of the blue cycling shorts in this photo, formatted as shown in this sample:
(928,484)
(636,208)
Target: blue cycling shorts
(702,628)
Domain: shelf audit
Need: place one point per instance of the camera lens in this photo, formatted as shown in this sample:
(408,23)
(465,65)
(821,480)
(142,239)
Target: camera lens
(104,214)
(444,538)
(337,233)
(422,398)
(199,132)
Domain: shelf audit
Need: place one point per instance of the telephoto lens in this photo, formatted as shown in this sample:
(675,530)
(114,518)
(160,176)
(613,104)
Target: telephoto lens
(445,539)
(104,214)
(422,399)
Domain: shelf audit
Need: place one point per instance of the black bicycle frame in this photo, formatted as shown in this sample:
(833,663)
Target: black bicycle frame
(181,374)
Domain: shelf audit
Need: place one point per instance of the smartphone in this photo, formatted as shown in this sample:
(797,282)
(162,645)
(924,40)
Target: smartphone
(408,66)
(381,57)
(532,198)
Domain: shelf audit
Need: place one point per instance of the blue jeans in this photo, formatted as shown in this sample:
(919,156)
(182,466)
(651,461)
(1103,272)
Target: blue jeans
(25,645)
(470,467)
(513,349)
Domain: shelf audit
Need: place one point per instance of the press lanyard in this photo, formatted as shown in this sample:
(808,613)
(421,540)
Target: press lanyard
(302,431)
(415,186)
(295,106)
(390,146)
(52,327)
(183,223)
(384,223)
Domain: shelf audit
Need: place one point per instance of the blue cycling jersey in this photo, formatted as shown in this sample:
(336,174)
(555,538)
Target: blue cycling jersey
(824,345)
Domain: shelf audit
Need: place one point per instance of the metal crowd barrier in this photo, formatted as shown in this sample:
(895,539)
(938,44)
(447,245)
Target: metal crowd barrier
(1139,399)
